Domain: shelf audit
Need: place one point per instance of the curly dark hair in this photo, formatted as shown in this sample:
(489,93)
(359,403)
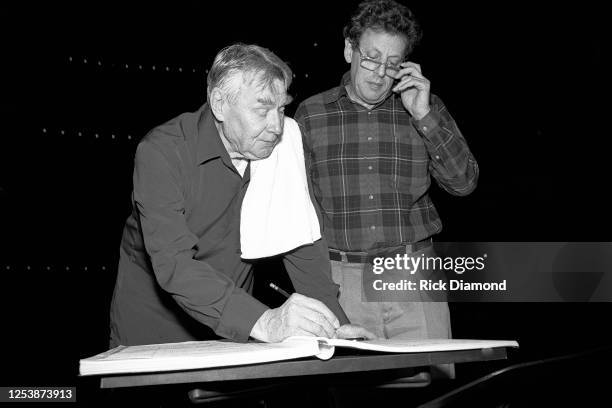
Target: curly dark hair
(386,15)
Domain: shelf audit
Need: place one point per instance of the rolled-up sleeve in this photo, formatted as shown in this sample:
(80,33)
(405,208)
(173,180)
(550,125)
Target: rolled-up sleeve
(206,294)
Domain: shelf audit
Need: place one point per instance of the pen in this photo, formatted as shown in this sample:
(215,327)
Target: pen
(279,290)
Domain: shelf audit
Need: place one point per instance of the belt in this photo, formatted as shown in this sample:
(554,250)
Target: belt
(364,257)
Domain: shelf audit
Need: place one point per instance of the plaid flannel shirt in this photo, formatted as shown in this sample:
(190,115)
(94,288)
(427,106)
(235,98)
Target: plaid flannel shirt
(370,169)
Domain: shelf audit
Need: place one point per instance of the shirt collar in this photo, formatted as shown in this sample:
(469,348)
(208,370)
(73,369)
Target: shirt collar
(209,144)
(334,94)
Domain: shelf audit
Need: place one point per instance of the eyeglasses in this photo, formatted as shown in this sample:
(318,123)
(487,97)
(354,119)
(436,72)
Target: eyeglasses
(373,65)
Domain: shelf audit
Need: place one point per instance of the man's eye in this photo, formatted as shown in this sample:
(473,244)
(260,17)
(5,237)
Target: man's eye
(261,112)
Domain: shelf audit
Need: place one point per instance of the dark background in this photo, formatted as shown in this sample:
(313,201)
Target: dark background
(83,83)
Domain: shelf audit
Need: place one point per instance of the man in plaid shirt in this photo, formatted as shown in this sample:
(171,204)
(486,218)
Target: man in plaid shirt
(371,145)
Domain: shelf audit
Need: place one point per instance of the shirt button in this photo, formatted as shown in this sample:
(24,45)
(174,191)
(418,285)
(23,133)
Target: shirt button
(369,167)
(369,137)
(437,157)
(373,227)
(425,128)
(371,197)
(369,112)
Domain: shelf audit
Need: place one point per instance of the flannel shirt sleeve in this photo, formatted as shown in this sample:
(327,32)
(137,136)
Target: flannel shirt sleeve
(452,164)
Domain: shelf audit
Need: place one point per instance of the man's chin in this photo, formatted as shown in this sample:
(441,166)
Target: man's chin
(264,154)
(376,98)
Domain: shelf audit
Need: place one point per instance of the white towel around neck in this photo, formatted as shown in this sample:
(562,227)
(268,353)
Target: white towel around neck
(277,214)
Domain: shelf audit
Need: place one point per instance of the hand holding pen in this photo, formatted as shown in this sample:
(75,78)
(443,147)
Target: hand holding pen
(298,316)
(346,332)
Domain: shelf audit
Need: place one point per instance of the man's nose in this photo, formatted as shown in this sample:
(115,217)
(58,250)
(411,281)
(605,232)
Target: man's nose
(380,71)
(275,124)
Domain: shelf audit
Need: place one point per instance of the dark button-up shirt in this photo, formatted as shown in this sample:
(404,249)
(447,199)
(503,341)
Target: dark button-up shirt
(180,273)
(371,169)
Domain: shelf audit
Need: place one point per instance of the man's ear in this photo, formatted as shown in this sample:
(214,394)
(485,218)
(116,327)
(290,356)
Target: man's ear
(217,104)
(348,51)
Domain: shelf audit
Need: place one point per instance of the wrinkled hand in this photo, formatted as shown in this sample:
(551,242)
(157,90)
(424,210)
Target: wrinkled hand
(414,88)
(349,331)
(298,316)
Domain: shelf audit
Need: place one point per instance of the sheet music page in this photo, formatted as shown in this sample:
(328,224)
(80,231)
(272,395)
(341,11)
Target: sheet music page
(191,349)
(213,353)
(420,346)
(193,355)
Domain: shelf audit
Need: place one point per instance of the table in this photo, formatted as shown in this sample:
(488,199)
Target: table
(304,367)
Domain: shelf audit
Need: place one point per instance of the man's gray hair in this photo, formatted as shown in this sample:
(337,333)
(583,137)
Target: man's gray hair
(246,59)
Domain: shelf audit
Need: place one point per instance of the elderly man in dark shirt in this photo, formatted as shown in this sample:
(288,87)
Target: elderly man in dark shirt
(180,274)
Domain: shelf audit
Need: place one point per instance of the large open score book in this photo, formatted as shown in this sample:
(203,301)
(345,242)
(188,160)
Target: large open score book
(213,353)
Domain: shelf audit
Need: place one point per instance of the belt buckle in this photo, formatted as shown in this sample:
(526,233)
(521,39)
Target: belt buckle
(340,254)
(415,246)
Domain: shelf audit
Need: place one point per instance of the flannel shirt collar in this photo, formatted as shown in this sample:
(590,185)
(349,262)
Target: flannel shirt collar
(334,94)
